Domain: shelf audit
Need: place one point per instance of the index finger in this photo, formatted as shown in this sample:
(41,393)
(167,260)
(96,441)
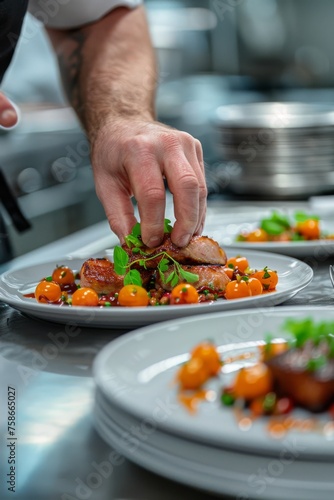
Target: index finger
(187,184)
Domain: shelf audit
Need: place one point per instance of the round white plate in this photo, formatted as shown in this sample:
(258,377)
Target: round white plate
(208,467)
(227,232)
(136,373)
(293,276)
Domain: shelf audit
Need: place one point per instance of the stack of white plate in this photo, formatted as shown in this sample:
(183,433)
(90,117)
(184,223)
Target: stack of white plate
(277,149)
(138,413)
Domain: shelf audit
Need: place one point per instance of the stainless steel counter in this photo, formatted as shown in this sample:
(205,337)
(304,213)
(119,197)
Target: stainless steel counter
(59,455)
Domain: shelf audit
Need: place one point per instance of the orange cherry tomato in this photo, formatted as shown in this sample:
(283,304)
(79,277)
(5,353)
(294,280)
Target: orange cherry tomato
(184,293)
(255,286)
(253,382)
(268,278)
(257,236)
(85,297)
(238,262)
(47,291)
(63,275)
(272,349)
(237,289)
(192,374)
(133,296)
(310,229)
(208,353)
(229,271)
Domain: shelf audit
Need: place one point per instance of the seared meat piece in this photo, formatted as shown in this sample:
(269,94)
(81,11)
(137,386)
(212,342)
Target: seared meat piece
(200,250)
(313,390)
(100,275)
(212,276)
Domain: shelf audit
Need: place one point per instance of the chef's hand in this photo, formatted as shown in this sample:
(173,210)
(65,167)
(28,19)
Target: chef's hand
(131,158)
(8,114)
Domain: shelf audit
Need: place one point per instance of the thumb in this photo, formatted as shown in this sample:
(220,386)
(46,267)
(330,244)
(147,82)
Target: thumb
(8,112)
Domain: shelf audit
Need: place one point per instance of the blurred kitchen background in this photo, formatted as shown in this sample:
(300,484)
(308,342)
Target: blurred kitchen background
(211,54)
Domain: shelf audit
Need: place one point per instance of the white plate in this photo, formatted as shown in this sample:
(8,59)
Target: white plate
(293,276)
(227,233)
(136,373)
(208,467)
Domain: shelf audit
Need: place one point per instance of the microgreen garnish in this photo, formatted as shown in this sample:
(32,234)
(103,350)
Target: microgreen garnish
(132,276)
(302,217)
(266,274)
(167,226)
(315,364)
(276,224)
(121,260)
(307,330)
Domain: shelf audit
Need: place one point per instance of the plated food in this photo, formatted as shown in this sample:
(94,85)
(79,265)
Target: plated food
(166,275)
(281,228)
(210,448)
(279,375)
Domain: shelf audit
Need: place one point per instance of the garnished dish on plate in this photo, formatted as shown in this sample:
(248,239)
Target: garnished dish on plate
(297,234)
(166,275)
(282,374)
(282,228)
(216,447)
(197,279)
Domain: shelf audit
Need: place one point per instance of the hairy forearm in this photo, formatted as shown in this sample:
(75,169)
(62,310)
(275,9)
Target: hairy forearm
(108,69)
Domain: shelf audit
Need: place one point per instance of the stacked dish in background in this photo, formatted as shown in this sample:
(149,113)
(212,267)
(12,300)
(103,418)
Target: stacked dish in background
(138,413)
(278,150)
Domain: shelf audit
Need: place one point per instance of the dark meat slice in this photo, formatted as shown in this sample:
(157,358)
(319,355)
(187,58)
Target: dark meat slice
(100,275)
(313,390)
(212,276)
(200,250)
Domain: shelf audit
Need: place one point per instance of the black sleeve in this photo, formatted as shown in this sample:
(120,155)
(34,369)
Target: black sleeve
(12,13)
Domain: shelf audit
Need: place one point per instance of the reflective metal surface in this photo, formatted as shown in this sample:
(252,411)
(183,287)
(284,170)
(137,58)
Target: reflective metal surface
(283,149)
(58,453)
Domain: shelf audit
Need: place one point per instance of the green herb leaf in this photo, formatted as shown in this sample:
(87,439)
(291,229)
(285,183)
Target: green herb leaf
(133,278)
(272,227)
(276,224)
(297,237)
(133,241)
(302,217)
(163,265)
(315,364)
(266,275)
(167,226)
(175,280)
(189,277)
(171,276)
(121,260)
(136,230)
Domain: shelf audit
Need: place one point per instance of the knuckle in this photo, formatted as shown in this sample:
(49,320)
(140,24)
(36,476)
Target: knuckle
(154,194)
(170,140)
(189,182)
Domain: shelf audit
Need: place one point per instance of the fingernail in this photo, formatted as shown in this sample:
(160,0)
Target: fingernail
(154,242)
(8,118)
(184,240)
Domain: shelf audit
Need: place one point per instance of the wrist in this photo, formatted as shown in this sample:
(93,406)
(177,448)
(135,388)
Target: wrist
(112,127)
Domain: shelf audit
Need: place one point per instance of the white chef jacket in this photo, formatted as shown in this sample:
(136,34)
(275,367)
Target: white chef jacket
(67,14)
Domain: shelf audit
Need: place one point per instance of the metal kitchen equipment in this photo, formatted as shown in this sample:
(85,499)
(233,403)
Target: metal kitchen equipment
(282,149)
(46,162)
